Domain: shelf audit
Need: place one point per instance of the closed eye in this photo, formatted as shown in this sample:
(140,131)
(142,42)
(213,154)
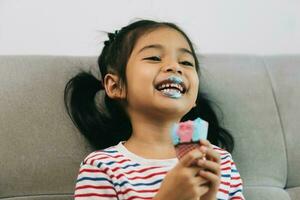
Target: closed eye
(186,63)
(153,58)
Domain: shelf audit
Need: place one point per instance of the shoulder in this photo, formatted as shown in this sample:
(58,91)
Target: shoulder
(104,156)
(225,156)
(223,153)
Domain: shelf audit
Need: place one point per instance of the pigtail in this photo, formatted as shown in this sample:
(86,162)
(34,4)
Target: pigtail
(217,135)
(95,125)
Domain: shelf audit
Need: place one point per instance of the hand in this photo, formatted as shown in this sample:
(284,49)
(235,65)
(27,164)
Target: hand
(183,181)
(211,169)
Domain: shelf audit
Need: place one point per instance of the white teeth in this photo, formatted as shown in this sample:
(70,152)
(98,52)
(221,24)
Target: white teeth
(173,85)
(180,87)
(169,90)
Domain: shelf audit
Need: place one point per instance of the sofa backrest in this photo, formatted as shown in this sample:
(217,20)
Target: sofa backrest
(40,148)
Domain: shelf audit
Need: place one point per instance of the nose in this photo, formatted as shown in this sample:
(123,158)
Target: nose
(173,68)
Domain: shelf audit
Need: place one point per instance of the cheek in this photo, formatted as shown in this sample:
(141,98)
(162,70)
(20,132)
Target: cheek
(195,83)
(140,81)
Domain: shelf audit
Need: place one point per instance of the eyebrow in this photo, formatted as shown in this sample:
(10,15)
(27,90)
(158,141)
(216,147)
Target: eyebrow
(160,47)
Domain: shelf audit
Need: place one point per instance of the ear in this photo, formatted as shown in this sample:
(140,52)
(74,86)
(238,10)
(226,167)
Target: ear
(113,87)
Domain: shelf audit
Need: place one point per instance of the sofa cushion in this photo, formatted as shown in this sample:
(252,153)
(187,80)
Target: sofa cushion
(284,73)
(241,87)
(40,149)
(266,193)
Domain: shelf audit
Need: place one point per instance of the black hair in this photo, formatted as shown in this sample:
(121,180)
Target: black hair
(104,128)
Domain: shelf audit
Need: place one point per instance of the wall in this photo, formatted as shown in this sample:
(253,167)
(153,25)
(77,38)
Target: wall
(73,27)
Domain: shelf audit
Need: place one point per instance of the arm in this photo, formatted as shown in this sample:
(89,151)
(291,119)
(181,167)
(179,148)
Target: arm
(236,184)
(94,183)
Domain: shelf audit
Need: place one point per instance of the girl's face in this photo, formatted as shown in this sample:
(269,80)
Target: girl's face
(161,75)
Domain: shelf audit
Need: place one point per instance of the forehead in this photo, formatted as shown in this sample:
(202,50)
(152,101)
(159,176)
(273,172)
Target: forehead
(167,37)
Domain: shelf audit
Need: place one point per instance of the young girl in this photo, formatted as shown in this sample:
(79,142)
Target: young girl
(131,128)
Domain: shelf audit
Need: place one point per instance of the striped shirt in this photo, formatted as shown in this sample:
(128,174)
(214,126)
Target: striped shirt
(116,173)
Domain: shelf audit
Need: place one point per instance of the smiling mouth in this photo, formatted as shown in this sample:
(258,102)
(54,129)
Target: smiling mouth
(172,87)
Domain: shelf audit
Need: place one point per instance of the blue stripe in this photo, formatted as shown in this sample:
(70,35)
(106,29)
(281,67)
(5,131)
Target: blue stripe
(225,175)
(112,162)
(107,151)
(93,179)
(137,184)
(222,158)
(234,170)
(231,194)
(134,165)
(99,164)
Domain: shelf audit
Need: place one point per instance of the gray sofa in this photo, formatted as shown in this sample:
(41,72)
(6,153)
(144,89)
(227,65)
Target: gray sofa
(40,149)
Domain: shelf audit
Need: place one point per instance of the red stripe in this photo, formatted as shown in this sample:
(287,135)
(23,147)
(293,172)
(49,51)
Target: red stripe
(138,197)
(95,194)
(217,148)
(225,183)
(235,178)
(142,170)
(226,168)
(92,162)
(94,187)
(236,198)
(93,170)
(90,156)
(236,185)
(123,161)
(224,191)
(227,161)
(220,151)
(142,177)
(106,155)
(139,191)
(102,158)
(129,172)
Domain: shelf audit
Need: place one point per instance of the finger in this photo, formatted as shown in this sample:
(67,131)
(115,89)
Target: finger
(210,166)
(188,159)
(211,154)
(211,177)
(193,170)
(205,143)
(201,181)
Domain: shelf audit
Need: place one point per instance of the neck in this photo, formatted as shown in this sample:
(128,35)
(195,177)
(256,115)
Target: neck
(151,137)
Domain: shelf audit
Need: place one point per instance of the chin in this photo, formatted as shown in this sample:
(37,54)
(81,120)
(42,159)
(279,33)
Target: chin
(170,110)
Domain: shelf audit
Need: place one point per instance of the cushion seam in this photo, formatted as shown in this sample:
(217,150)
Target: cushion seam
(278,113)
(36,195)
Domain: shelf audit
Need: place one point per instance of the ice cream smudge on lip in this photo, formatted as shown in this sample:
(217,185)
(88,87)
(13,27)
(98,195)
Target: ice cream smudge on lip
(186,135)
(175,94)
(175,79)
